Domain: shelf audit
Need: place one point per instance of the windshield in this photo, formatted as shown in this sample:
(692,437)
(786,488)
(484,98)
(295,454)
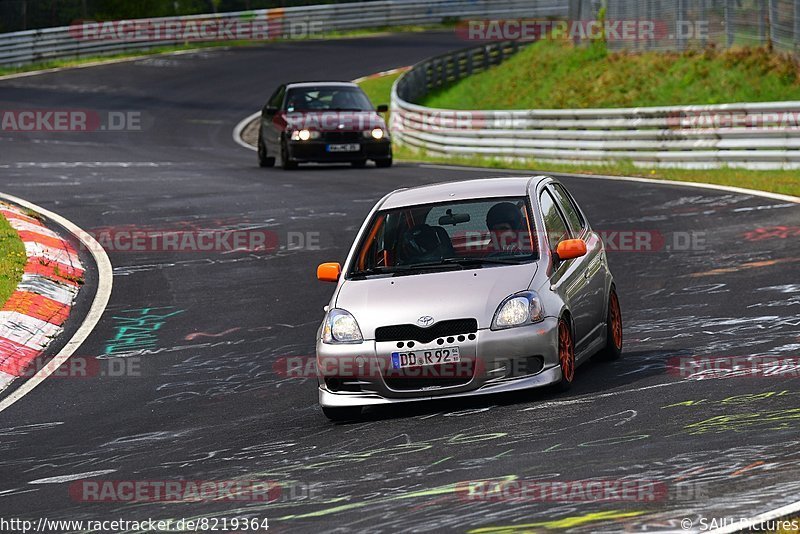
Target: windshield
(452,235)
(327,98)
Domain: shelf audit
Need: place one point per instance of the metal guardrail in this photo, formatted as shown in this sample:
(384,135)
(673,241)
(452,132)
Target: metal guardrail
(749,135)
(26,47)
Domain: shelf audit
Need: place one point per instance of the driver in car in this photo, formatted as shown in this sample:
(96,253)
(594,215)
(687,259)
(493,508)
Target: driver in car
(507,229)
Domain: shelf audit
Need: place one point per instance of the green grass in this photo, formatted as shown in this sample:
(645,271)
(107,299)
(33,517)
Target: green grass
(379,90)
(75,62)
(784,182)
(12,260)
(553,74)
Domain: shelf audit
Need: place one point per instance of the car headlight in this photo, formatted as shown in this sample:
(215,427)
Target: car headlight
(304,135)
(517,310)
(375,133)
(341,327)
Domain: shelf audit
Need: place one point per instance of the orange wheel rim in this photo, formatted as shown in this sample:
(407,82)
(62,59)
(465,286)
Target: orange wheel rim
(566,353)
(616,320)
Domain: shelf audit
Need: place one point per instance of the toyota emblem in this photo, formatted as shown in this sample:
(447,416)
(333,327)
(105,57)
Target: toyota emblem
(425,320)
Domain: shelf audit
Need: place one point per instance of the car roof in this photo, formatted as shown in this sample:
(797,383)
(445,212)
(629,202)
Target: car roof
(317,84)
(510,186)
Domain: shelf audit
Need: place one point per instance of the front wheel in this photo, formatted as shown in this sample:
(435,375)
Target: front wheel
(383,163)
(613,349)
(286,161)
(348,413)
(566,356)
(263,159)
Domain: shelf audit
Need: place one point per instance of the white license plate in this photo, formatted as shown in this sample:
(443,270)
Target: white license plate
(418,358)
(349,147)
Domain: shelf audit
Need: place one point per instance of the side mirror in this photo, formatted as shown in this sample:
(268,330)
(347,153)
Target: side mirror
(383,108)
(329,272)
(269,110)
(571,248)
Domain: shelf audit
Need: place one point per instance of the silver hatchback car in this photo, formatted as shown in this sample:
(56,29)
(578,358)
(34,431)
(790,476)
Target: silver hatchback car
(465,288)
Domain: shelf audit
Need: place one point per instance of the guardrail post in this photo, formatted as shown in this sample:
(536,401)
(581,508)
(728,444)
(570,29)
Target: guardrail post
(796,24)
(772,20)
(704,18)
(729,24)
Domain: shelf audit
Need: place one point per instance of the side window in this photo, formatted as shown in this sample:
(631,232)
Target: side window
(568,208)
(554,223)
(276,99)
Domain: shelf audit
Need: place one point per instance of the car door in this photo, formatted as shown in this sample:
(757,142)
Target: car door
(567,277)
(595,272)
(271,128)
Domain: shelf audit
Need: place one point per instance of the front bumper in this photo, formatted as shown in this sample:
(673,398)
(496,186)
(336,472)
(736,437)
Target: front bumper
(494,362)
(316,150)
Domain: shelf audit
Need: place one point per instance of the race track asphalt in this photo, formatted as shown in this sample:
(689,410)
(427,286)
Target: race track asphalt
(204,401)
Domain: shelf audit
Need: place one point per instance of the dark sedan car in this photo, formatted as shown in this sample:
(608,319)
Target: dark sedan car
(322,122)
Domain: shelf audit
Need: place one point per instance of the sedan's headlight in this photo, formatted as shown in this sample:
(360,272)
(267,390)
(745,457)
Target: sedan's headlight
(341,327)
(517,310)
(375,133)
(304,135)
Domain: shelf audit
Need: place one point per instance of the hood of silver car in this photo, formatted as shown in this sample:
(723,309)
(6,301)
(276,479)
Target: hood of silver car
(471,293)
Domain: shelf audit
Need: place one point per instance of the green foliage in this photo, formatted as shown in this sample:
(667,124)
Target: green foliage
(12,260)
(554,74)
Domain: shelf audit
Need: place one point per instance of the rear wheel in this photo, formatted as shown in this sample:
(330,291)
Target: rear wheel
(613,349)
(286,161)
(348,413)
(359,163)
(566,355)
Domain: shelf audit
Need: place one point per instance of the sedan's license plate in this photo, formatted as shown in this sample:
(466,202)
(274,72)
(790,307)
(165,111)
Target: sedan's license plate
(418,358)
(349,147)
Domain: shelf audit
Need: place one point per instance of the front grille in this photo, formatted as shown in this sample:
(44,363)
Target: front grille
(341,137)
(406,332)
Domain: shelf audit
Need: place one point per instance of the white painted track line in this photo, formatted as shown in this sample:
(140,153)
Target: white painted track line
(777,513)
(701,185)
(239,128)
(101,297)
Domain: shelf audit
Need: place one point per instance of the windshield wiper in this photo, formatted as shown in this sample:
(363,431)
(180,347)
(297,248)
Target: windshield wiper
(478,261)
(444,263)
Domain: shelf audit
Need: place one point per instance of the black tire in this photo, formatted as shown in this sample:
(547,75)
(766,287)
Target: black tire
(613,349)
(349,413)
(263,159)
(286,162)
(359,163)
(383,163)
(566,356)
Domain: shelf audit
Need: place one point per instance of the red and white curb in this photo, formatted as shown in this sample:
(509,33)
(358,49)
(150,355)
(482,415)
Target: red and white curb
(34,314)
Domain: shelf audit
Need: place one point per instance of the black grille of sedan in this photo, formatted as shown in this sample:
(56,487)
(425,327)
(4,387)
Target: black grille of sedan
(406,332)
(341,137)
